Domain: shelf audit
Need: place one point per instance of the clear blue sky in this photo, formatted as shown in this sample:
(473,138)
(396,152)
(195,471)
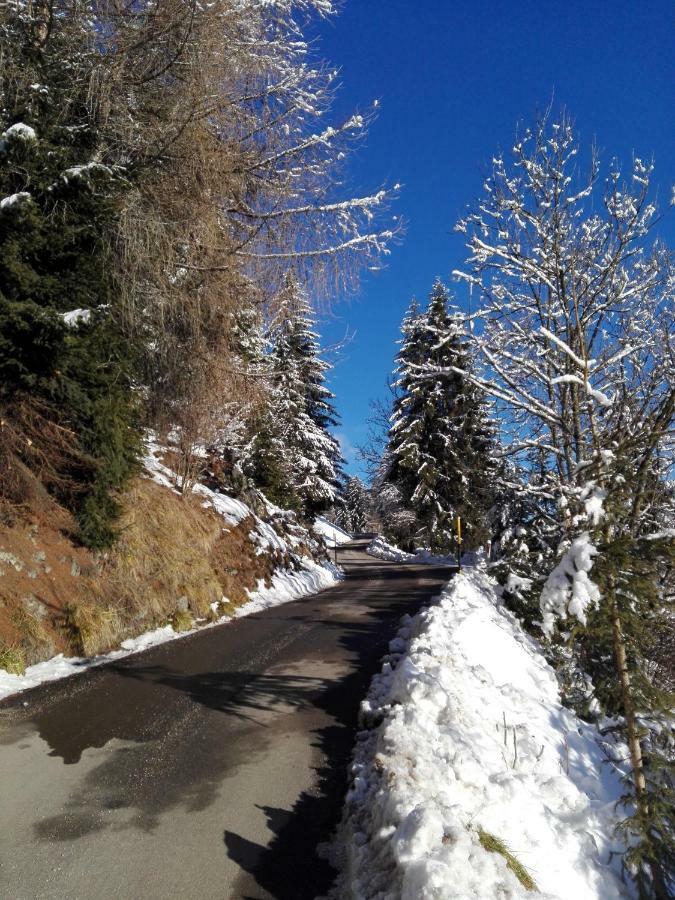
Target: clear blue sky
(453,79)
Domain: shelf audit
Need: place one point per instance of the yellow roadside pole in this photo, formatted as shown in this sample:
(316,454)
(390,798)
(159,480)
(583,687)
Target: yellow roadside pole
(459,543)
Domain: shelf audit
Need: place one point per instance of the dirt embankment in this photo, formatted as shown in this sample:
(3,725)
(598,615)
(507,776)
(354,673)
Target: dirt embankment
(175,562)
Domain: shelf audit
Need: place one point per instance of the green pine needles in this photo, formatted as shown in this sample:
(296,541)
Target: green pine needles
(61,350)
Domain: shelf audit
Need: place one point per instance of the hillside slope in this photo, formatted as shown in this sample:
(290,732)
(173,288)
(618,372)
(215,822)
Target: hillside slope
(181,560)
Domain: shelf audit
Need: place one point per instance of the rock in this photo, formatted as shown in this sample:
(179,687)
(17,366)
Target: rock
(34,607)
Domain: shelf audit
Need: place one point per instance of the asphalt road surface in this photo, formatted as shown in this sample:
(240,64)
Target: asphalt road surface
(209,767)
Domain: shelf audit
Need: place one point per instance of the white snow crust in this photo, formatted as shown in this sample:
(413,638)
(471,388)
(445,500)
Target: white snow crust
(73,317)
(19,131)
(467,732)
(15,200)
(379,548)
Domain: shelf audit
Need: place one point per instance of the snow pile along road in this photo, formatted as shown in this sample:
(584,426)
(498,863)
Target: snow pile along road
(379,548)
(473,781)
(332,534)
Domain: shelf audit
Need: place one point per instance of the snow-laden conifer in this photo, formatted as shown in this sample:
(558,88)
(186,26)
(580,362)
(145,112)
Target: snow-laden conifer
(354,510)
(439,441)
(576,338)
(292,443)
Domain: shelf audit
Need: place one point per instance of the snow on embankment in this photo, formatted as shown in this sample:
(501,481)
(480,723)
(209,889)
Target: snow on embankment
(380,549)
(469,743)
(332,534)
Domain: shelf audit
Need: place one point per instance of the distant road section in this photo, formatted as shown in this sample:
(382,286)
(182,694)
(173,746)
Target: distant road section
(207,768)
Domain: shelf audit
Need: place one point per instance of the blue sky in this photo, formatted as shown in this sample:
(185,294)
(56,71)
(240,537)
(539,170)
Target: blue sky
(453,80)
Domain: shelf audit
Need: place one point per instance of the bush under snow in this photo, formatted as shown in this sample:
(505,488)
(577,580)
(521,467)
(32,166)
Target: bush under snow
(466,737)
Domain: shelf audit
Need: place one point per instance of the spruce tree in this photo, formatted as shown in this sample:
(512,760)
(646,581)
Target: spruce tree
(438,453)
(298,449)
(354,512)
(57,212)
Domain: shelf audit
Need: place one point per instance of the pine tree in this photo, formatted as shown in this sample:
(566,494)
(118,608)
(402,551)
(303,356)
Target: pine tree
(355,509)
(438,453)
(57,212)
(299,451)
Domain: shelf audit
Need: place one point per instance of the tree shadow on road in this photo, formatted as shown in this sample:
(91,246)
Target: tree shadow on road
(246,702)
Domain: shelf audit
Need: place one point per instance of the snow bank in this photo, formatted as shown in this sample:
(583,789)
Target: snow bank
(468,737)
(379,548)
(332,534)
(287,584)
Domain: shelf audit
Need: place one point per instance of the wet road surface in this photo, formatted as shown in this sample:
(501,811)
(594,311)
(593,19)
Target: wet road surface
(209,767)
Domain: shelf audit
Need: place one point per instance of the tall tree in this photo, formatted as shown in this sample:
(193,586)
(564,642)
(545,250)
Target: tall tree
(354,512)
(438,453)
(294,429)
(577,308)
(65,365)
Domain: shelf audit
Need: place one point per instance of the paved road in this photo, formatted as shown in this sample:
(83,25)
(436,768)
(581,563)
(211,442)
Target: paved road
(210,767)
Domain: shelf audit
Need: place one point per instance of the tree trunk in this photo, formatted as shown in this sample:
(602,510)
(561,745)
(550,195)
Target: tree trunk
(633,738)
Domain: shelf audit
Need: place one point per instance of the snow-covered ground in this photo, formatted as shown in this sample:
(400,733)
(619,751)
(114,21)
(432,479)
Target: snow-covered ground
(466,738)
(286,585)
(380,549)
(332,534)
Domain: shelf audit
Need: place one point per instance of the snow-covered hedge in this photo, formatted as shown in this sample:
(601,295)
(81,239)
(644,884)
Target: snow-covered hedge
(467,747)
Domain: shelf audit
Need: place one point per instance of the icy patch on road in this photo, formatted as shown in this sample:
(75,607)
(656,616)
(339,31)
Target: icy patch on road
(465,732)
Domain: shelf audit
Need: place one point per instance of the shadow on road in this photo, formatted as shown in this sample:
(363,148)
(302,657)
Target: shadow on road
(153,700)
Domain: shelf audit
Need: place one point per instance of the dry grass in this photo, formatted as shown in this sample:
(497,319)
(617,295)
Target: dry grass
(175,562)
(181,620)
(163,555)
(34,639)
(93,629)
(12,659)
(493,845)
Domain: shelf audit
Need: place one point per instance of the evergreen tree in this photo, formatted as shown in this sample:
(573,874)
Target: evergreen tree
(355,509)
(438,453)
(56,215)
(301,459)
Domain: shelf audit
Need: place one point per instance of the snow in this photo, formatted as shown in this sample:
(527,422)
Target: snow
(75,316)
(568,589)
(15,200)
(381,549)
(466,732)
(286,584)
(19,131)
(332,534)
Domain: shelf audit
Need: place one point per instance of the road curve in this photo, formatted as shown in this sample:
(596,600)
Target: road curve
(209,767)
